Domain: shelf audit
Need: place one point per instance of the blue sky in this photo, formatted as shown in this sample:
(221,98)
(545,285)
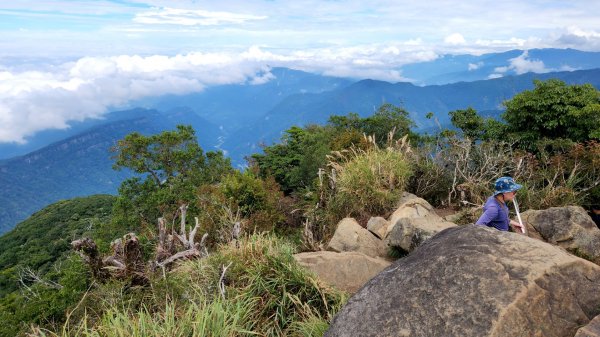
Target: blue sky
(69,60)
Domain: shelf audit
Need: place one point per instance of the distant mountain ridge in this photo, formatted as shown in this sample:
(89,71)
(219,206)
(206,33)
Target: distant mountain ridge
(456,68)
(81,165)
(365,96)
(232,106)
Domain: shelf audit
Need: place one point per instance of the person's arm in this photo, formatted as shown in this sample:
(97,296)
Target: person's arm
(489,214)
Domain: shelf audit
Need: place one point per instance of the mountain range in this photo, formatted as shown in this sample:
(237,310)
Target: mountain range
(237,118)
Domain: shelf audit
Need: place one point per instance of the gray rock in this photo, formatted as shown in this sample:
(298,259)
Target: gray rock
(409,233)
(568,227)
(349,236)
(411,206)
(590,330)
(345,271)
(475,281)
(378,226)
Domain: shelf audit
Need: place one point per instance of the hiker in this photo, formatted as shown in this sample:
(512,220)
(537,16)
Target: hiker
(595,214)
(495,211)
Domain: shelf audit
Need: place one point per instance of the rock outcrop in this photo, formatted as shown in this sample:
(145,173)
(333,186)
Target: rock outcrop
(411,206)
(351,237)
(413,222)
(409,233)
(568,227)
(346,271)
(378,226)
(476,281)
(590,330)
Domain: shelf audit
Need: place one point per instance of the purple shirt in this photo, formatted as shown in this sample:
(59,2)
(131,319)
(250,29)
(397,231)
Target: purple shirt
(495,214)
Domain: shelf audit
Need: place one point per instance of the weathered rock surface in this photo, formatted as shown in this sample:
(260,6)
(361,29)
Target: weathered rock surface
(346,271)
(476,281)
(568,227)
(409,233)
(378,226)
(351,237)
(413,222)
(590,330)
(411,206)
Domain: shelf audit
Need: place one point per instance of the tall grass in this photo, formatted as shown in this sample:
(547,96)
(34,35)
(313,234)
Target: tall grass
(266,294)
(369,182)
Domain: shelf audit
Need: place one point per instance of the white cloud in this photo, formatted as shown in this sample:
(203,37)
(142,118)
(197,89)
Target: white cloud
(31,101)
(35,100)
(575,37)
(190,17)
(512,42)
(475,66)
(522,64)
(455,39)
(567,67)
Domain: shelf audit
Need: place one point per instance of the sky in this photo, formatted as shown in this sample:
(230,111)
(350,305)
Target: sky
(65,61)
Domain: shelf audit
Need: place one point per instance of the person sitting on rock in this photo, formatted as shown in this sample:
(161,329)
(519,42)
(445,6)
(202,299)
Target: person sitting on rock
(495,211)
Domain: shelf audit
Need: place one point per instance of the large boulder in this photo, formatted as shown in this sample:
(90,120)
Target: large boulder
(411,206)
(568,227)
(413,222)
(409,233)
(350,236)
(590,330)
(476,281)
(346,271)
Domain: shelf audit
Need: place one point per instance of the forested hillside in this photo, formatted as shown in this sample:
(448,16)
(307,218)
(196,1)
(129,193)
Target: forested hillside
(40,278)
(240,229)
(81,165)
(78,166)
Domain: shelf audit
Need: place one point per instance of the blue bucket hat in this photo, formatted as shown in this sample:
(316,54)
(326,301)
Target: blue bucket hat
(505,185)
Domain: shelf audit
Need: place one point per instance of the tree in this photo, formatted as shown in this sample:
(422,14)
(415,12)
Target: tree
(295,162)
(475,127)
(554,110)
(174,166)
(388,118)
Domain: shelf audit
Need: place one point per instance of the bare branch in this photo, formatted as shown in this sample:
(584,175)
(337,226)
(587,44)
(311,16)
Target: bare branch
(222,279)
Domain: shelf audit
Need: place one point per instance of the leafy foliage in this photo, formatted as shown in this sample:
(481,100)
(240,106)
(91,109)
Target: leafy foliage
(39,276)
(266,293)
(174,165)
(295,162)
(388,118)
(554,110)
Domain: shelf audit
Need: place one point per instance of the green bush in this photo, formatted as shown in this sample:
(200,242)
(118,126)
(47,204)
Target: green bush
(266,294)
(369,183)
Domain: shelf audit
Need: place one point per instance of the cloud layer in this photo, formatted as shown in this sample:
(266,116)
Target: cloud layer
(31,101)
(59,60)
(34,100)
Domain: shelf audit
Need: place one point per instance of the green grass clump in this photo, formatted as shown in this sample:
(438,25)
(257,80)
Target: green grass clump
(370,183)
(266,294)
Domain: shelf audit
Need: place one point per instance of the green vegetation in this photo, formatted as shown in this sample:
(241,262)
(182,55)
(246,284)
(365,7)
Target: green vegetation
(366,182)
(265,293)
(290,198)
(40,278)
(174,165)
(554,110)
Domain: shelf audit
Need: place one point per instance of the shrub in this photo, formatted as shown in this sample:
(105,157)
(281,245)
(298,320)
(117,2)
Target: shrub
(254,289)
(367,182)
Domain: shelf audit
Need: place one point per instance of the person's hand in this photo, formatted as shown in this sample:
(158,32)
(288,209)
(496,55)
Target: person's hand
(517,225)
